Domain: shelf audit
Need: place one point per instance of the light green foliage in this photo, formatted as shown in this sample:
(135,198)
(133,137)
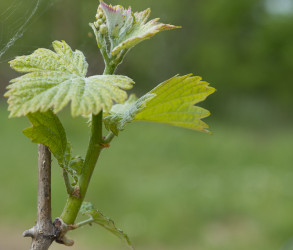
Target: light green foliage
(88,209)
(174,103)
(121,114)
(55,79)
(171,102)
(76,164)
(48,130)
(125,29)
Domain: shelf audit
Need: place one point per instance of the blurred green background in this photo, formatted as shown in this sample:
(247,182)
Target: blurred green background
(170,188)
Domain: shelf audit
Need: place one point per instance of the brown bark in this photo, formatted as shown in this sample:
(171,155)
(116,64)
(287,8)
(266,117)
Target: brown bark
(43,233)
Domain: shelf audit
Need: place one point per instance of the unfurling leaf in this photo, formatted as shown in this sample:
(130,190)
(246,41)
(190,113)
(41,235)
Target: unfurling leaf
(88,209)
(55,79)
(121,114)
(48,130)
(76,164)
(172,102)
(123,28)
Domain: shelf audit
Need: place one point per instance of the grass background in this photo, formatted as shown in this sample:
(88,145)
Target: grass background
(167,187)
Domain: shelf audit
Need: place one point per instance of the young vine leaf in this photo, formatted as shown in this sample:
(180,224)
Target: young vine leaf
(88,209)
(55,79)
(121,114)
(48,130)
(172,102)
(124,28)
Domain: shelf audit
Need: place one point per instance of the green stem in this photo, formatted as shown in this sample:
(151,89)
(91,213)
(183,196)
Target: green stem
(85,222)
(74,202)
(95,147)
(109,138)
(109,69)
(69,188)
(113,62)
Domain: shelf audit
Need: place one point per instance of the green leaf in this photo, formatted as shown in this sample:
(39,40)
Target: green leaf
(172,102)
(88,209)
(48,130)
(121,114)
(76,164)
(124,29)
(55,79)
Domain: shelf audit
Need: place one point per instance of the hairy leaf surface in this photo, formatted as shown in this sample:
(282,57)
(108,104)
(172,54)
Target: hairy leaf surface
(55,79)
(172,102)
(121,114)
(88,209)
(126,28)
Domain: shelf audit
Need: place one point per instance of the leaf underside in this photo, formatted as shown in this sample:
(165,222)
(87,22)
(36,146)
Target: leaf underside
(55,79)
(48,130)
(88,209)
(172,102)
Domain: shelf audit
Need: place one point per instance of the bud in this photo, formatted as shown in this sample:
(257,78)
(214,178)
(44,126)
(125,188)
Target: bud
(103,29)
(97,25)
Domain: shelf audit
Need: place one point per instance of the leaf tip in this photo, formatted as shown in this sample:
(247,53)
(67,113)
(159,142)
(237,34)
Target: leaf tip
(171,27)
